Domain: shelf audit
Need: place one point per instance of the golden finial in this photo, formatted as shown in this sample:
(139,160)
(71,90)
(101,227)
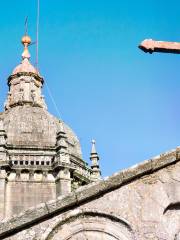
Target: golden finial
(26,41)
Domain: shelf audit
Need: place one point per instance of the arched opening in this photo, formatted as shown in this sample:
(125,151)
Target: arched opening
(172,218)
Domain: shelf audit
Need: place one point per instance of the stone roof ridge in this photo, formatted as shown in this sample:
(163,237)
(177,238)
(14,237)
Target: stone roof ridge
(90,191)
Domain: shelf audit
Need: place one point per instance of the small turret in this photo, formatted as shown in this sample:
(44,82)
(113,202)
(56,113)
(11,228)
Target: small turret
(25,82)
(94,157)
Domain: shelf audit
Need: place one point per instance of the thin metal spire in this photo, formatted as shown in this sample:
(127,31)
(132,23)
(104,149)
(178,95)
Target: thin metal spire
(37,34)
(26,26)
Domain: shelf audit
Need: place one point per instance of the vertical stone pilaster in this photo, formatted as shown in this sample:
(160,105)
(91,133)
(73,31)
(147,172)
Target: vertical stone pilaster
(2,144)
(44,177)
(18,174)
(31,175)
(3,176)
(63,179)
(63,182)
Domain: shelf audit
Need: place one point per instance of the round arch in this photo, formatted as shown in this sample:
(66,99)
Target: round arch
(87,225)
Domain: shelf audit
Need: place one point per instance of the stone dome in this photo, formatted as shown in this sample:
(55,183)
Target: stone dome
(25,66)
(28,126)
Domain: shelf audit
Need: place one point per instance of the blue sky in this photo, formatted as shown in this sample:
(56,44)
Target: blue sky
(104,86)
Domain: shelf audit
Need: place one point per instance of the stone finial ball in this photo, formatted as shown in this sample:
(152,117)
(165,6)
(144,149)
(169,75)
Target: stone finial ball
(26,39)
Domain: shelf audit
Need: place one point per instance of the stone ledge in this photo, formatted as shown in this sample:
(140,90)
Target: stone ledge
(36,76)
(87,192)
(27,217)
(61,203)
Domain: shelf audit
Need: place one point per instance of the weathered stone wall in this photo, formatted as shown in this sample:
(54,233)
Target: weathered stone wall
(23,195)
(140,203)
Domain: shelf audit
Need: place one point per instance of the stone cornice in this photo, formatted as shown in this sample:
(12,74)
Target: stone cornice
(36,76)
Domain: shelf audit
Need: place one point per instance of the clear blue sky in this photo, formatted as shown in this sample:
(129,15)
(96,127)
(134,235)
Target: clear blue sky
(104,86)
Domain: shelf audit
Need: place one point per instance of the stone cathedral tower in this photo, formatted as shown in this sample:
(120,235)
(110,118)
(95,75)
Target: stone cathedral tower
(40,156)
